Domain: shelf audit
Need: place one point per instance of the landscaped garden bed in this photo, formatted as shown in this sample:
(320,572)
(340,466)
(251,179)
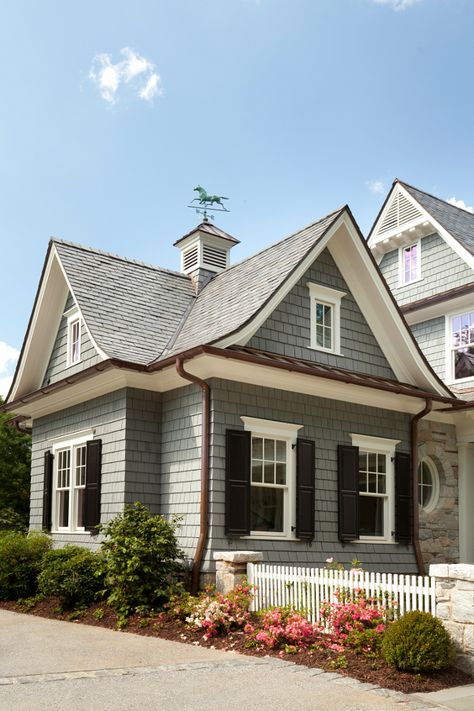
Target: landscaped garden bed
(135,584)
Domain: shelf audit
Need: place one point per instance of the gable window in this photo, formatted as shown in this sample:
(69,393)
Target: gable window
(461,337)
(410,263)
(367,489)
(73,339)
(73,467)
(325,315)
(428,485)
(269,481)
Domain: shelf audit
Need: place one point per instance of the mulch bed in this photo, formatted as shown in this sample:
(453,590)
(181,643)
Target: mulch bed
(373,671)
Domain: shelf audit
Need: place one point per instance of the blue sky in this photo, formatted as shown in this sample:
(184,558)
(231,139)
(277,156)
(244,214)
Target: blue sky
(113,111)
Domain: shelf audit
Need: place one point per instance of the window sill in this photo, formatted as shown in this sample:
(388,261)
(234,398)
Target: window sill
(324,350)
(71,365)
(374,540)
(68,532)
(268,537)
(409,283)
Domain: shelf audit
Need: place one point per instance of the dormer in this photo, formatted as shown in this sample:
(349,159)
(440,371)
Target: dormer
(205,252)
(400,223)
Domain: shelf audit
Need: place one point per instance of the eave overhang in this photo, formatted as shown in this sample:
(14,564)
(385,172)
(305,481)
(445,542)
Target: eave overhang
(454,300)
(237,364)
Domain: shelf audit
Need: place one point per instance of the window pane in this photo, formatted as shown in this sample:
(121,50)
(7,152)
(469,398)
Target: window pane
(328,316)
(382,487)
(266,509)
(257,471)
(63,509)
(464,363)
(269,450)
(371,516)
(80,507)
(372,462)
(327,338)
(363,481)
(362,461)
(268,473)
(320,336)
(257,444)
(280,473)
(425,484)
(381,463)
(372,479)
(319,313)
(280,451)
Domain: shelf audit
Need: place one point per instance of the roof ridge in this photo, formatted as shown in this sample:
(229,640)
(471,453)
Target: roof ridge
(118,257)
(274,244)
(435,197)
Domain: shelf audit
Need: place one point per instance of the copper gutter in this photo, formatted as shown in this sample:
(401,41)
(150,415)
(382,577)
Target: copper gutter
(414,470)
(204,502)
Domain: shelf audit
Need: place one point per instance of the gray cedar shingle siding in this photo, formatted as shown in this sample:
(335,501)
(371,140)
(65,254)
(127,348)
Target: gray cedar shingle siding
(56,369)
(131,309)
(441,269)
(328,423)
(431,337)
(287,330)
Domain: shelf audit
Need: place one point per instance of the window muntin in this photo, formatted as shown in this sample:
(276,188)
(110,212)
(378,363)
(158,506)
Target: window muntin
(462,345)
(69,485)
(376,487)
(428,485)
(325,318)
(73,339)
(410,263)
(269,490)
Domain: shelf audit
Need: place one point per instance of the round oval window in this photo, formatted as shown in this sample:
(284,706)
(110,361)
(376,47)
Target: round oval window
(428,485)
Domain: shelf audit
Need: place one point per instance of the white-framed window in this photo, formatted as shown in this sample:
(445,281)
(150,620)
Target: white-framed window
(376,487)
(272,477)
(325,315)
(73,339)
(428,485)
(69,483)
(460,346)
(410,263)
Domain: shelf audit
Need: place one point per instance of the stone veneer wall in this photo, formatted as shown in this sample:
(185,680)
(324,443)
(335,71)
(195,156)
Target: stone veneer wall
(455,607)
(439,528)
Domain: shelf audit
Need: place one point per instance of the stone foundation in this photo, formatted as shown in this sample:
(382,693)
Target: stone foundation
(455,607)
(231,568)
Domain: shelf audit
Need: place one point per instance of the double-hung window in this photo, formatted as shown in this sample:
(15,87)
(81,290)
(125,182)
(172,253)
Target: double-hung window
(69,483)
(410,263)
(461,345)
(325,316)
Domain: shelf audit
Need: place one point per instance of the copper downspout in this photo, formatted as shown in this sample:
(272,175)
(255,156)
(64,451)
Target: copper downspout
(204,503)
(414,469)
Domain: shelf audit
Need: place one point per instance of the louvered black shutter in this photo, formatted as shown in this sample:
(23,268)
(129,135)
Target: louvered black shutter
(92,491)
(403,498)
(237,483)
(305,484)
(47,490)
(348,477)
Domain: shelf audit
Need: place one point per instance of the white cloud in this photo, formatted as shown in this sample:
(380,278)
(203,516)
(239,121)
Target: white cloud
(397,5)
(461,204)
(8,358)
(133,70)
(377,187)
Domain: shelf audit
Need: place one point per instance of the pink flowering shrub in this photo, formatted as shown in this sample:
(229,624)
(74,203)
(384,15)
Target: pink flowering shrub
(216,614)
(283,628)
(356,622)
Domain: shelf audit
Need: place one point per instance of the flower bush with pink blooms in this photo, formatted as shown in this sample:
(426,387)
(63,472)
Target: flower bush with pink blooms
(281,627)
(217,614)
(358,622)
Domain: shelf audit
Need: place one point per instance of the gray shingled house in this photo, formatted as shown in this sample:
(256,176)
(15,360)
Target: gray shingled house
(273,404)
(425,250)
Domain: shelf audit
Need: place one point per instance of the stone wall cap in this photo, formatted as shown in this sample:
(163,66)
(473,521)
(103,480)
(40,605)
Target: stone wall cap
(239,556)
(456,571)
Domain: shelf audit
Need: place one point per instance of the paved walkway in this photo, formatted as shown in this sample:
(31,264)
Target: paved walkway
(50,665)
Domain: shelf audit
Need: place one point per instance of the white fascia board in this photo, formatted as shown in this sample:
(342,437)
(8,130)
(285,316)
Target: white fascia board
(99,350)
(245,334)
(380,312)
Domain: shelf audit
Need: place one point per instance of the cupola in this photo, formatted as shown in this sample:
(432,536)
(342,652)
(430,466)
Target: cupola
(205,252)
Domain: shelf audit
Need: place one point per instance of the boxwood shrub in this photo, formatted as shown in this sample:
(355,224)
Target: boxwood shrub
(73,574)
(20,559)
(418,642)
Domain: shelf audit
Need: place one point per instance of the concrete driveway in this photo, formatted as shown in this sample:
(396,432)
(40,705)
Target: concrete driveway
(47,664)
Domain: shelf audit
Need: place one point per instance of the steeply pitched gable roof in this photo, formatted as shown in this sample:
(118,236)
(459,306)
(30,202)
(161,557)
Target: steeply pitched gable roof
(236,295)
(458,222)
(131,309)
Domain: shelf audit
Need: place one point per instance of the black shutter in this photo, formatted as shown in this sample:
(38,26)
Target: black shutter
(305,484)
(47,490)
(237,483)
(348,477)
(403,496)
(92,491)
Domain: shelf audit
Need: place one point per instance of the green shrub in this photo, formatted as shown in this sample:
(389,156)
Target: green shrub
(11,520)
(20,559)
(141,559)
(418,642)
(73,574)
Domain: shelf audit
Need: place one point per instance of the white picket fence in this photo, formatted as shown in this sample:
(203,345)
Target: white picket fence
(306,588)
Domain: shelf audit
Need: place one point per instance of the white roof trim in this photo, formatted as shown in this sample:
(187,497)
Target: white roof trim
(43,328)
(376,241)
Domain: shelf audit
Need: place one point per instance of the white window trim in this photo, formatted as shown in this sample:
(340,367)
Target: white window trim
(401,266)
(71,319)
(385,446)
(436,486)
(449,361)
(59,444)
(284,431)
(333,298)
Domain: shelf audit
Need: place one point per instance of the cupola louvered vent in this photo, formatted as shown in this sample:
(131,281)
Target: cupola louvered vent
(214,257)
(190,258)
(400,213)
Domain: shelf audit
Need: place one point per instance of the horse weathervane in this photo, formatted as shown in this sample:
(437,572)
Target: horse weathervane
(204,203)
